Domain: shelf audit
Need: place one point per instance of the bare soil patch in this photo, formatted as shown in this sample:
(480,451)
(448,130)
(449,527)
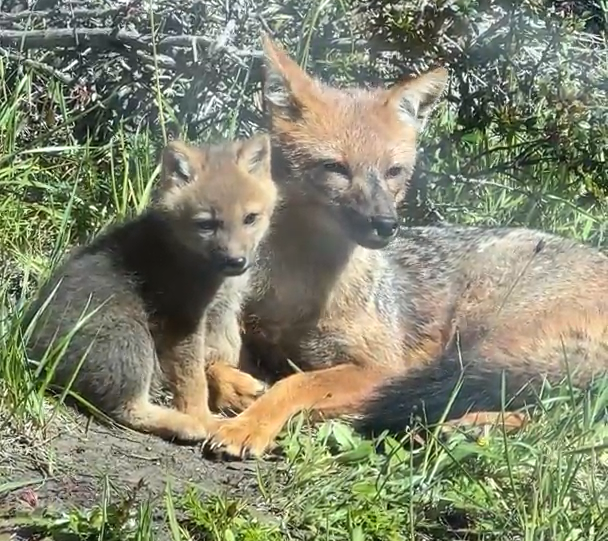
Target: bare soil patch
(76,460)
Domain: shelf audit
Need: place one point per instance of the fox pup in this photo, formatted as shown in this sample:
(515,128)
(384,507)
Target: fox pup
(384,321)
(150,292)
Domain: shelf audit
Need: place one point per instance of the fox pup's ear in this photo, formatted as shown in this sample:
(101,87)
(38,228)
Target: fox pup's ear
(286,86)
(176,167)
(416,97)
(253,154)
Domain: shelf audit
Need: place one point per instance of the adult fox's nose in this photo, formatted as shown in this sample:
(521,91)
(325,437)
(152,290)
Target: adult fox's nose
(385,227)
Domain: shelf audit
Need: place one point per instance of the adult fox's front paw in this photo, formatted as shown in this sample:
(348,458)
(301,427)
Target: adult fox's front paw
(242,438)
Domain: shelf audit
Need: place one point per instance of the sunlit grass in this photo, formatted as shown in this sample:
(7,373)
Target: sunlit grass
(548,482)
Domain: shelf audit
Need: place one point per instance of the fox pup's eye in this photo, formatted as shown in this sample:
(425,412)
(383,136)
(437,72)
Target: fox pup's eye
(207,225)
(250,219)
(337,168)
(395,171)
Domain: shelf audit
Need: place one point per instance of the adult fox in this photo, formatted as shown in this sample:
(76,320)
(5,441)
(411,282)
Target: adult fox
(381,323)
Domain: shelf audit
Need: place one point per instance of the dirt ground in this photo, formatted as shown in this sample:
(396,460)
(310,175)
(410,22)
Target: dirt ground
(66,467)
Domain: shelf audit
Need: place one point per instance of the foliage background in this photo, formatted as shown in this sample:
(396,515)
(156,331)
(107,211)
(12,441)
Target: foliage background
(90,90)
(524,118)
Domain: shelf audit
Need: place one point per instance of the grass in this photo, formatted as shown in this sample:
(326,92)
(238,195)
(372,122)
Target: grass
(547,482)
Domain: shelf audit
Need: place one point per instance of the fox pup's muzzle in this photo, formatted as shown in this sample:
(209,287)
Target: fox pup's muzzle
(233,266)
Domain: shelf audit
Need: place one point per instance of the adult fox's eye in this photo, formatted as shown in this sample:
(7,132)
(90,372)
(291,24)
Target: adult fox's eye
(337,168)
(251,218)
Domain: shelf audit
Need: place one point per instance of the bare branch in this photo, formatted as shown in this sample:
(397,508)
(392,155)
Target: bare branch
(66,79)
(70,15)
(94,37)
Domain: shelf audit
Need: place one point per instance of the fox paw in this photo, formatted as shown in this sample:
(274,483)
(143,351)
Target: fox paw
(478,424)
(511,421)
(238,438)
(196,432)
(235,391)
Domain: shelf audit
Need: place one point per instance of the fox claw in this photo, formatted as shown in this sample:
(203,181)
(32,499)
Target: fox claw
(235,438)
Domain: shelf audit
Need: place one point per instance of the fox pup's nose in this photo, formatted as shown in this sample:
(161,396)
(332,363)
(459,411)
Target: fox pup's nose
(233,266)
(385,227)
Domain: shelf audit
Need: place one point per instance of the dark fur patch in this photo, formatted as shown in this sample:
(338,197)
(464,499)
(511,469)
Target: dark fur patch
(175,283)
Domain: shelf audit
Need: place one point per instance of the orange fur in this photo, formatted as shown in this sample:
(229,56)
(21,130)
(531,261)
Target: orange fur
(231,389)
(385,326)
(336,391)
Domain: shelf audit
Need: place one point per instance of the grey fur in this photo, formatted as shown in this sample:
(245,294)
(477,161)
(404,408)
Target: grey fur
(150,283)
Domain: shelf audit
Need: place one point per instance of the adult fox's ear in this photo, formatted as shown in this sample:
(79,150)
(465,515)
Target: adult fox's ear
(177,165)
(415,97)
(253,154)
(287,87)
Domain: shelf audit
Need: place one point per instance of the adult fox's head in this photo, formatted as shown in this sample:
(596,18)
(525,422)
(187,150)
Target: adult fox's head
(349,151)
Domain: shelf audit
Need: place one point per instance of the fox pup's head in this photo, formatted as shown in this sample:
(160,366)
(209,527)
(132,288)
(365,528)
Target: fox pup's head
(221,199)
(350,152)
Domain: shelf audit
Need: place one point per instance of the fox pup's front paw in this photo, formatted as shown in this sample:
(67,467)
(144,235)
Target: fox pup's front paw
(234,390)
(242,438)
(196,431)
